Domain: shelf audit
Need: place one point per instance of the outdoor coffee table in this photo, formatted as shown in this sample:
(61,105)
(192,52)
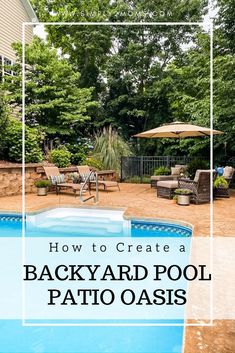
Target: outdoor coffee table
(166,188)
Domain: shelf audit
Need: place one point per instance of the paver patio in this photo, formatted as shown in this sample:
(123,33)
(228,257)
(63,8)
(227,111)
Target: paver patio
(141,201)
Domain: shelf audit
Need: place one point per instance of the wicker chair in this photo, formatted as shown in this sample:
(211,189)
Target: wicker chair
(228,176)
(200,186)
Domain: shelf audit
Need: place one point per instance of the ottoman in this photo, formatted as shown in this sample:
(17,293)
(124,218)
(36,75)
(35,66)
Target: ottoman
(166,188)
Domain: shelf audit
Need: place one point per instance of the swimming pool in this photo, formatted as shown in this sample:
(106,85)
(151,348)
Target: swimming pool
(105,223)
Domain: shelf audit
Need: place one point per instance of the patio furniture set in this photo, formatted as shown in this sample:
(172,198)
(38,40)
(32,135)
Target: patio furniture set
(58,180)
(166,185)
(199,186)
(176,171)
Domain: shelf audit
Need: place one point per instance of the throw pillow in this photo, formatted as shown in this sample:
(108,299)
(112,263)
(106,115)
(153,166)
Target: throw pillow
(175,170)
(228,172)
(57,179)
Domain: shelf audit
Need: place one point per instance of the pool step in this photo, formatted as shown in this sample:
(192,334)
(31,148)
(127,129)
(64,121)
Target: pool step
(78,224)
(99,222)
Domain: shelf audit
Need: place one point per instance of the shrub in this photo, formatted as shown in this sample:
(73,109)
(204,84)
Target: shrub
(138,180)
(42,183)
(78,152)
(183,192)
(78,158)
(133,180)
(145,180)
(110,147)
(162,171)
(13,143)
(220,182)
(33,152)
(196,164)
(61,157)
(4,120)
(93,162)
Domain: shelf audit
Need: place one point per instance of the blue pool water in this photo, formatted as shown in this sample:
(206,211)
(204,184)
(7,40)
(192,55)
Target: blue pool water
(11,226)
(89,339)
(14,338)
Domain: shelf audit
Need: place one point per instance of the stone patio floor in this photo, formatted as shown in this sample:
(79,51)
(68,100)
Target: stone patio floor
(140,200)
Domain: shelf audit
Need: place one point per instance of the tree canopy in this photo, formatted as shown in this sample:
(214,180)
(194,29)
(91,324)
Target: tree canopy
(54,102)
(84,78)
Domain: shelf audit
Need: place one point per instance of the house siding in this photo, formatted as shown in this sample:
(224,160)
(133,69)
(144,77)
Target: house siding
(12,15)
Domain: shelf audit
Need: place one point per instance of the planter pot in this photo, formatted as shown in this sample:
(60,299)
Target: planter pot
(183,200)
(41,191)
(221,192)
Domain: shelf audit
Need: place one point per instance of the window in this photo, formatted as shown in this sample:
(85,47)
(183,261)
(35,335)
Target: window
(7,65)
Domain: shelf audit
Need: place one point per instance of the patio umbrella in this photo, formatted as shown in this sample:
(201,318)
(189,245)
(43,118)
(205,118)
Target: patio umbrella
(178,129)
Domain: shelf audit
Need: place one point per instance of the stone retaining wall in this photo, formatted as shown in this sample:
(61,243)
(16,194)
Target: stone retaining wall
(11,177)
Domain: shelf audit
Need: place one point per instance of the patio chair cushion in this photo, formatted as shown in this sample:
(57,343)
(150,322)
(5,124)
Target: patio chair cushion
(183,167)
(169,184)
(228,172)
(198,172)
(57,179)
(175,170)
(85,175)
(161,177)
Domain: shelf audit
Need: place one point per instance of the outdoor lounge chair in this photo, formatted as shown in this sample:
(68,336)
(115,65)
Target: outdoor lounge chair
(200,186)
(57,179)
(84,171)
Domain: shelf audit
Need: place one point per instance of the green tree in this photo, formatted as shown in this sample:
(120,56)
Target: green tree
(86,46)
(12,143)
(4,120)
(188,85)
(136,99)
(225,25)
(122,63)
(53,100)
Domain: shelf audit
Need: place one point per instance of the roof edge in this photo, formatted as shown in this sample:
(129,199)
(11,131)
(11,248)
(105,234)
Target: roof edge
(30,11)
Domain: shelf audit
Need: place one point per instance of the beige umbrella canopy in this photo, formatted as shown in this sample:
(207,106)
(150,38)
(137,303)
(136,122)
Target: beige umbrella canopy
(178,129)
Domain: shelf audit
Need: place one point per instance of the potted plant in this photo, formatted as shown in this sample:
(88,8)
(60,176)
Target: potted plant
(221,187)
(183,196)
(42,186)
(175,199)
(75,177)
(162,171)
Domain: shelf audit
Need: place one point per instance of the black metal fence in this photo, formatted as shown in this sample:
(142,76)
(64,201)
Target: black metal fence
(144,165)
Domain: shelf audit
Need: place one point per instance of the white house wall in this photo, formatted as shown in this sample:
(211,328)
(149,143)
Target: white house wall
(12,15)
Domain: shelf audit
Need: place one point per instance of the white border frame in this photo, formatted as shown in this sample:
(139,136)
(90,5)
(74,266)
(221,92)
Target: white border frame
(24,25)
